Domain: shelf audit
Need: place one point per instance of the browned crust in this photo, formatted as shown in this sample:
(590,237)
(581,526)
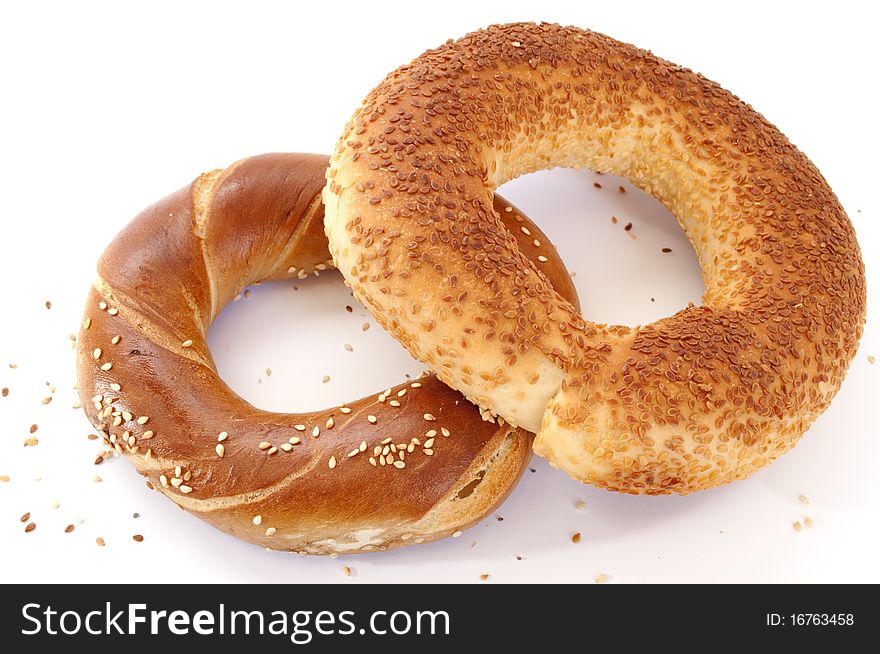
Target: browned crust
(700,398)
(162,281)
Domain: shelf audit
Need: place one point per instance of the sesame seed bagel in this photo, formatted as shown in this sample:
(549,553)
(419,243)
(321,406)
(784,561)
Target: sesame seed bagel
(703,397)
(410,464)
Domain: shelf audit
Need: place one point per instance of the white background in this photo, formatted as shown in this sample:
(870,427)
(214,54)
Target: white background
(106,108)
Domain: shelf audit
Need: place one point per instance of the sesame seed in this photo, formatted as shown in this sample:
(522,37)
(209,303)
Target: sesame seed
(808,521)
(294,440)
(542,258)
(25,517)
(115,340)
(354,452)
(272,450)
(185,489)
(4,392)
(444,431)
(142,420)
(271,531)
(325,379)
(429,443)
(344,409)
(576,537)
(286,447)
(371,419)
(399,464)
(68,529)
(485,577)
(222,436)
(348,347)
(365,326)
(87,323)
(316,431)
(30,527)
(372,461)
(580,505)
(264,445)
(525,231)
(428,452)
(220,449)
(332,462)
(796,525)
(803,499)
(97,353)
(429,417)
(102,305)
(138,538)
(602,578)
(4,478)
(363,446)
(187,343)
(112,311)
(416,385)
(871,359)
(299,427)
(100,542)
(456,534)
(346,571)
(257,520)
(394,403)
(329,424)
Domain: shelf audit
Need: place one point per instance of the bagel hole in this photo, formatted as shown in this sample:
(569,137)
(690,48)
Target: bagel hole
(299,330)
(623,276)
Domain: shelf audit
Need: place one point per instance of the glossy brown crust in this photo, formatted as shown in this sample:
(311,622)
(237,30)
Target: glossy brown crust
(698,399)
(148,382)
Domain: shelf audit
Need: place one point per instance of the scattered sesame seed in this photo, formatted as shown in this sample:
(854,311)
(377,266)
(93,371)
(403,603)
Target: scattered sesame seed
(576,537)
(222,436)
(808,521)
(602,578)
(272,450)
(803,499)
(316,431)
(100,542)
(112,311)
(286,447)
(399,464)
(416,385)
(257,520)
(485,577)
(271,531)
(365,326)
(4,478)
(348,347)
(97,353)
(371,419)
(325,379)
(115,340)
(220,449)
(102,305)
(299,427)
(344,409)
(33,441)
(68,529)
(444,431)
(871,359)
(580,505)
(138,538)
(346,571)
(4,392)
(187,343)
(620,189)
(429,417)
(294,440)
(796,525)
(628,227)
(55,504)
(25,517)
(542,258)
(264,445)
(329,424)
(332,462)
(107,366)
(30,527)
(185,489)
(48,304)
(46,400)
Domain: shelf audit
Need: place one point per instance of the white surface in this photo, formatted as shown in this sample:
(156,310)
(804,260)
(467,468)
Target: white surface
(106,109)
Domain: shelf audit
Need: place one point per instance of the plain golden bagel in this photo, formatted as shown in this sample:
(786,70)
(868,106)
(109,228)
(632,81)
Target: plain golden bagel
(406,465)
(701,398)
